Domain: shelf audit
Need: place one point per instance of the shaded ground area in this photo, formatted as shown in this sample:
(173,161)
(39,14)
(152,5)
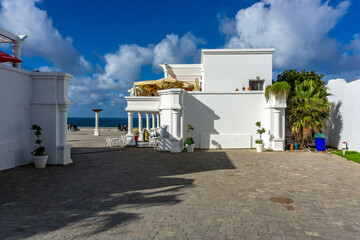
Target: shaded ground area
(136,193)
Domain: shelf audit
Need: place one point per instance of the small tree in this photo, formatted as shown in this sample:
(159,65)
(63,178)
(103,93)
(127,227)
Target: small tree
(259,131)
(40,150)
(189,140)
(294,77)
(308,111)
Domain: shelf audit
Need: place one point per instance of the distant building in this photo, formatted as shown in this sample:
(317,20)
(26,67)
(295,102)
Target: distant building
(225,108)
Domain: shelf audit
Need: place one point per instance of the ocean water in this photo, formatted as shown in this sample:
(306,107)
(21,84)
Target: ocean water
(103,122)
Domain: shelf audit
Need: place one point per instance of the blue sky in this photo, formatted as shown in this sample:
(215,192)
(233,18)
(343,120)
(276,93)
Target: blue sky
(109,44)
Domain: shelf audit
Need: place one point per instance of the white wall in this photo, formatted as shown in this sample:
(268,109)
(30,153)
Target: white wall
(228,69)
(27,98)
(344,122)
(15,117)
(225,120)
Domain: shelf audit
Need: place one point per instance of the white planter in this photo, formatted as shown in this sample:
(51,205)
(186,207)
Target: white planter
(190,148)
(259,147)
(40,161)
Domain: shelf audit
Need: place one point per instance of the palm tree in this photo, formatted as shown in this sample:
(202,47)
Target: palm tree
(308,110)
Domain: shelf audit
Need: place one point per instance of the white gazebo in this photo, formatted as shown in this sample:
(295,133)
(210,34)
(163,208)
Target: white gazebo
(142,105)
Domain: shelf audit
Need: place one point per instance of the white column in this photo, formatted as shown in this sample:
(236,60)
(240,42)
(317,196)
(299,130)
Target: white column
(157,120)
(166,73)
(278,141)
(141,132)
(62,125)
(153,120)
(277,123)
(96,130)
(130,141)
(147,121)
(16,52)
(63,149)
(176,125)
(202,82)
(130,123)
(140,121)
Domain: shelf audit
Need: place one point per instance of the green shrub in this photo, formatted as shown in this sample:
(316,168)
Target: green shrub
(189,140)
(259,131)
(40,150)
(277,89)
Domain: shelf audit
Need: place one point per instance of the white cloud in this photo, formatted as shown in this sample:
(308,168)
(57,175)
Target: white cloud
(123,67)
(48,69)
(297,29)
(44,40)
(174,50)
(351,56)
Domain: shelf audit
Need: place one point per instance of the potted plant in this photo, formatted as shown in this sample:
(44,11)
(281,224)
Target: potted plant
(189,142)
(39,157)
(278,90)
(259,144)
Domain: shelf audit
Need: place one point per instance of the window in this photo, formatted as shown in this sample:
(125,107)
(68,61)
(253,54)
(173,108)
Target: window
(257,84)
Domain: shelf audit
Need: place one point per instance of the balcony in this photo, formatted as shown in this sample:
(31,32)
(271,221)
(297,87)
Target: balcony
(142,104)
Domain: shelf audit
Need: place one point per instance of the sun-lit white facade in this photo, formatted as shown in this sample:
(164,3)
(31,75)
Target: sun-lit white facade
(31,98)
(225,111)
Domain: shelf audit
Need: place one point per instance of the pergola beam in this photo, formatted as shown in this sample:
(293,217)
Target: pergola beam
(11,37)
(15,40)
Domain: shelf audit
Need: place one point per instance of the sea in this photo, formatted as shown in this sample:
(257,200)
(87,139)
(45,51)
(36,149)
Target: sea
(103,122)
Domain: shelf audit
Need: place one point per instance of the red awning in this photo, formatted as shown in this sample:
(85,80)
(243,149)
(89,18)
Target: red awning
(7,58)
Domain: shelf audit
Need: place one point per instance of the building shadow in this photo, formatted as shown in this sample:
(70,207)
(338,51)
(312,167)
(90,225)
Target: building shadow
(101,188)
(335,125)
(202,118)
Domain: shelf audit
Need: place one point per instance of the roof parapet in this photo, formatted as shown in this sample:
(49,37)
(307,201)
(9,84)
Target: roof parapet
(239,51)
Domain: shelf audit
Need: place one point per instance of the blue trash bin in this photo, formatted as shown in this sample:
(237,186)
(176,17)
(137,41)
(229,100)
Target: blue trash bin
(320,144)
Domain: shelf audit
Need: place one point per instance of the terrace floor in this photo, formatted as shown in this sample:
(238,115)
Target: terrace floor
(139,193)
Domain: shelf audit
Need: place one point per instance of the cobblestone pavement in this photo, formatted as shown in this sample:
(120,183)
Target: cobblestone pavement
(139,193)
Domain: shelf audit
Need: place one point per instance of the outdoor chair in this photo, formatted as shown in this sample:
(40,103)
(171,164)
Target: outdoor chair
(108,142)
(153,137)
(153,141)
(123,141)
(116,142)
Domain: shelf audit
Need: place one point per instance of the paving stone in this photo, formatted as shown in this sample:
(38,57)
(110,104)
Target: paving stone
(140,193)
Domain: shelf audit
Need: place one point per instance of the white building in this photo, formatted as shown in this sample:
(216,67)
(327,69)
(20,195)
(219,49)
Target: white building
(343,124)
(28,98)
(222,113)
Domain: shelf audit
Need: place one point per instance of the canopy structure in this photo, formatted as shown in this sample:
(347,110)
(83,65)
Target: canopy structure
(7,58)
(152,86)
(16,42)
